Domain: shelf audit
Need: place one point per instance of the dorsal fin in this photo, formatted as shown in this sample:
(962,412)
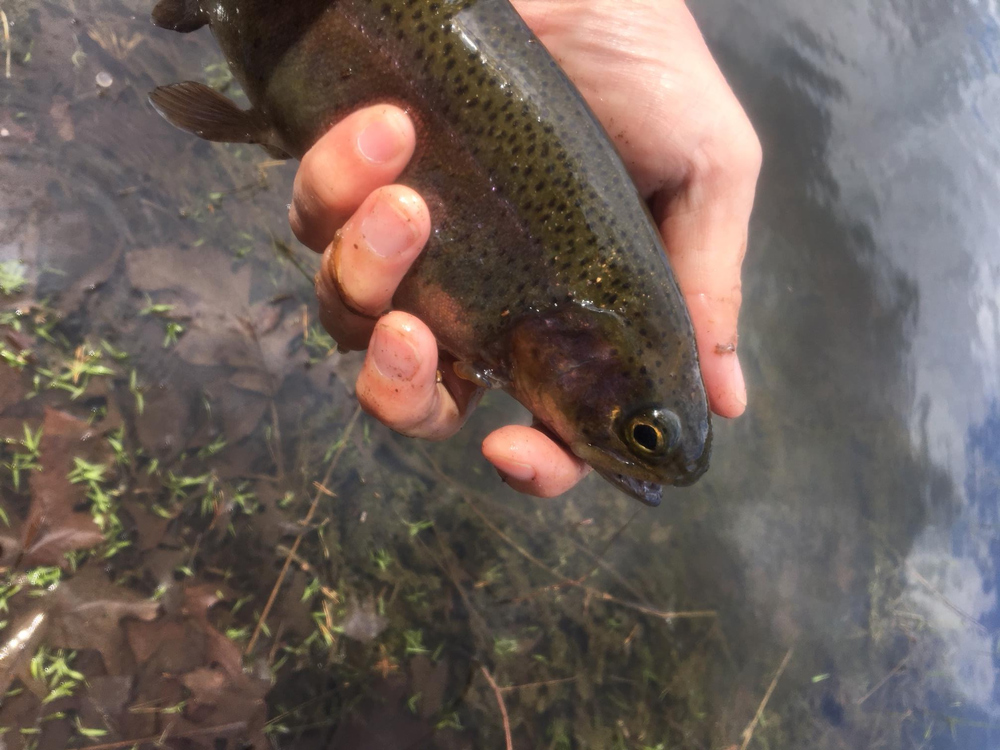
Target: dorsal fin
(179,15)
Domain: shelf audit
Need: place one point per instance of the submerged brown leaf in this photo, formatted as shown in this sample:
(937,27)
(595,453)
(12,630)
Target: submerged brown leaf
(89,612)
(182,649)
(238,410)
(383,720)
(54,525)
(12,387)
(215,288)
(59,535)
(10,547)
(84,612)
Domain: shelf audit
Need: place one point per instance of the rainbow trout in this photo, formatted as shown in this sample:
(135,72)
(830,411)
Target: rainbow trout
(544,274)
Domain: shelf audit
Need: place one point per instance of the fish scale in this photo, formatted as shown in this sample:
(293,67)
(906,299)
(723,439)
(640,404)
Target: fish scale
(544,272)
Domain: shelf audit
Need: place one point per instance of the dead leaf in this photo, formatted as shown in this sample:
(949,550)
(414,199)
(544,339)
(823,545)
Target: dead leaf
(166,422)
(223,326)
(12,387)
(239,410)
(53,526)
(10,546)
(150,528)
(430,680)
(253,380)
(215,287)
(198,599)
(59,535)
(205,684)
(63,438)
(146,639)
(89,612)
(105,700)
(19,711)
(183,647)
(383,720)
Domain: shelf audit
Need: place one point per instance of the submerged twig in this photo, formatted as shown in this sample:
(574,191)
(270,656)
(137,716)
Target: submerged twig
(283,249)
(503,708)
(6,39)
(895,670)
(158,739)
(463,493)
(276,447)
(752,726)
(543,683)
(601,595)
(602,564)
(947,602)
(298,539)
(445,564)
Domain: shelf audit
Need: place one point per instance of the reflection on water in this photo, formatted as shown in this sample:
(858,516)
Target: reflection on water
(842,551)
(884,116)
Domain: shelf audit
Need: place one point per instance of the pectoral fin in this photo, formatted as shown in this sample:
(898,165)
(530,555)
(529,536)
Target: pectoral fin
(179,15)
(482,378)
(198,109)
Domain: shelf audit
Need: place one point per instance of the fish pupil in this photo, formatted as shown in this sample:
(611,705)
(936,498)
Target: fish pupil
(647,437)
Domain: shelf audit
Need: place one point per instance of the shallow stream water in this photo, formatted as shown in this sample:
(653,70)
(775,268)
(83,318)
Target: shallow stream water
(831,583)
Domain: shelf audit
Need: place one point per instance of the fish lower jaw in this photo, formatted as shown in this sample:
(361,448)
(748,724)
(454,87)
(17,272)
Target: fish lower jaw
(604,460)
(630,478)
(648,493)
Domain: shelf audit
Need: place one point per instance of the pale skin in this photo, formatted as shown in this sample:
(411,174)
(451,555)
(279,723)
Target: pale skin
(645,70)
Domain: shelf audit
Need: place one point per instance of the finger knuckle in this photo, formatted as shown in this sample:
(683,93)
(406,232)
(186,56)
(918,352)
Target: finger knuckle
(730,152)
(750,151)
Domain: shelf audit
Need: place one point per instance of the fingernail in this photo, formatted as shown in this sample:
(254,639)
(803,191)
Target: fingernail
(394,355)
(386,230)
(739,384)
(381,140)
(514,469)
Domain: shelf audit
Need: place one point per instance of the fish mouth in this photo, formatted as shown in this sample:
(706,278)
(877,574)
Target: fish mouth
(629,477)
(647,493)
(633,478)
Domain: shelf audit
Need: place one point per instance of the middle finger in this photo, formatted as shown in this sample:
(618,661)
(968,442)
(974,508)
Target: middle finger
(366,261)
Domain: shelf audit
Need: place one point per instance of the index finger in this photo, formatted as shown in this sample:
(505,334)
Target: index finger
(366,150)
(704,228)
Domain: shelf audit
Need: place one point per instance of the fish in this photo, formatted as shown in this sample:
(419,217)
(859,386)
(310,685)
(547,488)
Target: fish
(545,274)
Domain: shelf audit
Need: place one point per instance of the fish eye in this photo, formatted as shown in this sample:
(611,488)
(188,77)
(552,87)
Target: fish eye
(653,433)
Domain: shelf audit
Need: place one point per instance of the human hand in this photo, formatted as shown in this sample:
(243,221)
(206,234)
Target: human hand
(344,184)
(645,70)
